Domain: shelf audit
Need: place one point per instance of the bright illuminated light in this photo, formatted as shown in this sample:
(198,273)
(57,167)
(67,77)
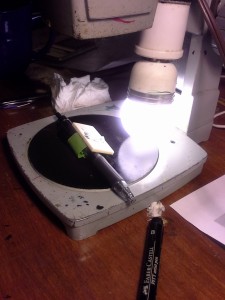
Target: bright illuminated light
(144,121)
(182,106)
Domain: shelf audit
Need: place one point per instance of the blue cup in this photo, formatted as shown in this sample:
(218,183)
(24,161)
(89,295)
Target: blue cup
(15,37)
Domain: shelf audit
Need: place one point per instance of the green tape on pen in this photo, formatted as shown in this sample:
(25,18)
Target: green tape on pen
(68,133)
(78,145)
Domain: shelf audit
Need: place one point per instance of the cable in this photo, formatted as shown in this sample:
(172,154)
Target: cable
(210,20)
(218,38)
(218,125)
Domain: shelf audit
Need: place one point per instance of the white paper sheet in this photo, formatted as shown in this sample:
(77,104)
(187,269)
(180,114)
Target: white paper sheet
(205,209)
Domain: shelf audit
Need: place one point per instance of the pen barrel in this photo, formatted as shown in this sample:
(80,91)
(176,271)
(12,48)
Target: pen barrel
(68,134)
(64,127)
(117,183)
(151,258)
(111,175)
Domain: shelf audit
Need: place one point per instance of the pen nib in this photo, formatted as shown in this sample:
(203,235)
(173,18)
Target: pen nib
(123,191)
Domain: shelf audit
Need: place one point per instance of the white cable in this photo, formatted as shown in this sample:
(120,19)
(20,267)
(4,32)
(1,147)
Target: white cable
(217,115)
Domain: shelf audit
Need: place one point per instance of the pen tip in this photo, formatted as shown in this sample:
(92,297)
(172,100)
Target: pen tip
(121,189)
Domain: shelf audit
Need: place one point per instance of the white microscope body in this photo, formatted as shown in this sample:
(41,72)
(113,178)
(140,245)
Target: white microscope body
(163,25)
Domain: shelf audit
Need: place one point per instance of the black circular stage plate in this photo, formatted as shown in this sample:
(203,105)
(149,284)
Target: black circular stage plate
(54,159)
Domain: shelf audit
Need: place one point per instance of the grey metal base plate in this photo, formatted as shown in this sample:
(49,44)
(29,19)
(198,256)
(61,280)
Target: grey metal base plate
(85,211)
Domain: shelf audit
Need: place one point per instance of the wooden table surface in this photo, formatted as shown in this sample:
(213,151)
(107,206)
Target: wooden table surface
(39,261)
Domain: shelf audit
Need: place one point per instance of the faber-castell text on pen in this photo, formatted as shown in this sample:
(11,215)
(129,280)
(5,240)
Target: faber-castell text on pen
(152,267)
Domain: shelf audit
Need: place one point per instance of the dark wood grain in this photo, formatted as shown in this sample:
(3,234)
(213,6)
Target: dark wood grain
(39,261)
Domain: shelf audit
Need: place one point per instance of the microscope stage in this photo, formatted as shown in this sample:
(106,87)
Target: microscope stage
(77,193)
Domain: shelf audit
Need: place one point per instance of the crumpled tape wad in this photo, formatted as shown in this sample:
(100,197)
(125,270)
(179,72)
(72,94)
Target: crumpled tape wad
(79,92)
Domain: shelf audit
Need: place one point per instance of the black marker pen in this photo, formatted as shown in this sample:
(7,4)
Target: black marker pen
(151,259)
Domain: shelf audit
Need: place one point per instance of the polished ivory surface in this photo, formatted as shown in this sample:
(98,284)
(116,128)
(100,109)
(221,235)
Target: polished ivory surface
(39,261)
